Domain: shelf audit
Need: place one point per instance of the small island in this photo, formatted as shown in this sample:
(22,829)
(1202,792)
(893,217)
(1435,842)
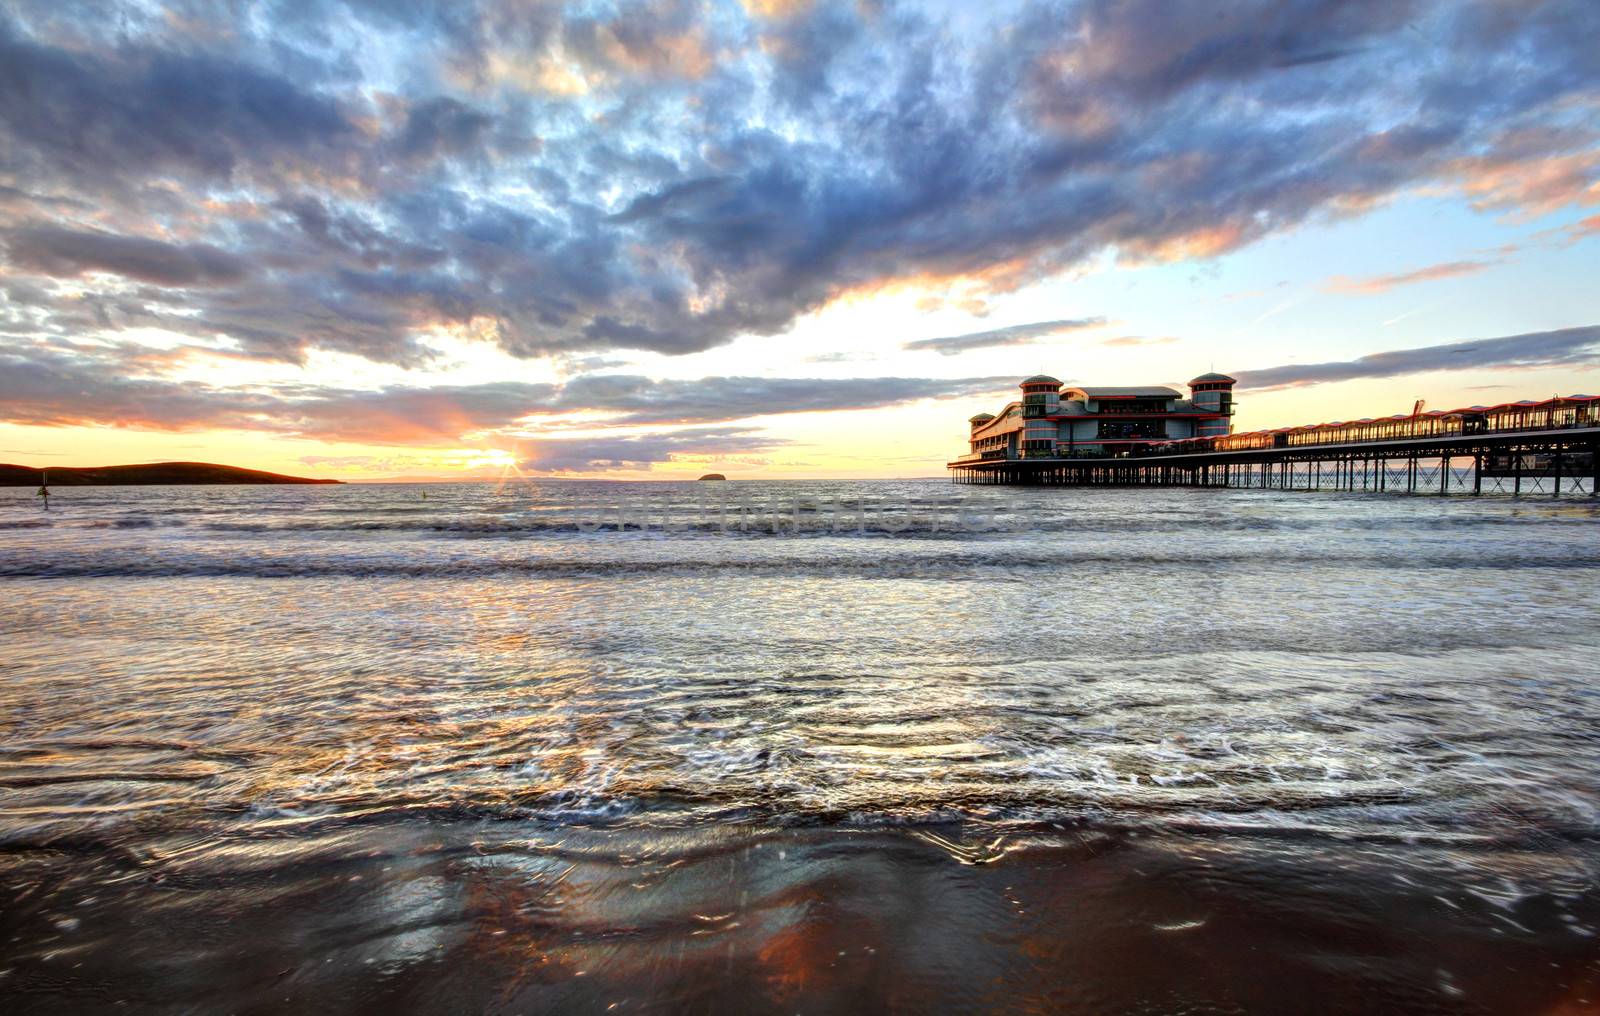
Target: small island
(141,474)
(713,476)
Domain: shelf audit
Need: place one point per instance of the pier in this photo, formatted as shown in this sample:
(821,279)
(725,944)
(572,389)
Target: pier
(1553,461)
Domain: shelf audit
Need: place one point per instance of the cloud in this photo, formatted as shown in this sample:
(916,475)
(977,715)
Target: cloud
(105,119)
(114,386)
(455,465)
(1567,347)
(442,126)
(776,8)
(568,365)
(1384,283)
(641,451)
(1015,335)
(1585,227)
(1532,181)
(346,461)
(638,399)
(79,388)
(1572,232)
(60,252)
(386,171)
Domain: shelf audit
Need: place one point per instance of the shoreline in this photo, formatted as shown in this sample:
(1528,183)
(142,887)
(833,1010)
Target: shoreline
(524,916)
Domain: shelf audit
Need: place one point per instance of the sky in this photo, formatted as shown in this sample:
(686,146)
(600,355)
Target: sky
(779,238)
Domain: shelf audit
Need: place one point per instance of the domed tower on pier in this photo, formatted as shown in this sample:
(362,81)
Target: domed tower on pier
(1041,399)
(1213,393)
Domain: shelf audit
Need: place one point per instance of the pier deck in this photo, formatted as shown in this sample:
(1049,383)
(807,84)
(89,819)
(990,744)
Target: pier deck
(1547,461)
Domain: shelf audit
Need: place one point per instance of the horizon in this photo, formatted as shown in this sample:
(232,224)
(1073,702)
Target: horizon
(511,474)
(773,240)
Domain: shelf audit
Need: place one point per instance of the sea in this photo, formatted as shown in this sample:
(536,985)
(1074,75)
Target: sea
(797,747)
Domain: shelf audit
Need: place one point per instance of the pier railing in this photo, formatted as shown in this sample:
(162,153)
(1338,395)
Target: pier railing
(1559,459)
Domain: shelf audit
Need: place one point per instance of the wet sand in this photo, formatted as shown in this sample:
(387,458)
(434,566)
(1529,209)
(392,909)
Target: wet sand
(508,917)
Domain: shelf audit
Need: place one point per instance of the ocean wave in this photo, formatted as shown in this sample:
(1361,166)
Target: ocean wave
(1004,559)
(808,521)
(1344,817)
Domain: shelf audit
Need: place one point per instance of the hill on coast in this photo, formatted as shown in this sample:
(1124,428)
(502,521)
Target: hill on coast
(142,474)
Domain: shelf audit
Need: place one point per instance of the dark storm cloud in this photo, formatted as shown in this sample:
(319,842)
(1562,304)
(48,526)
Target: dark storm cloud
(1567,347)
(1015,335)
(108,119)
(54,251)
(669,175)
(1153,49)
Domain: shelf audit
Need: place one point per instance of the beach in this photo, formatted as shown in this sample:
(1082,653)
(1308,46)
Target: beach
(919,749)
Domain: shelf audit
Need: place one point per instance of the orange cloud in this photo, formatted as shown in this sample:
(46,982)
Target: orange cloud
(963,287)
(552,74)
(1532,186)
(1201,243)
(1384,283)
(1575,231)
(776,8)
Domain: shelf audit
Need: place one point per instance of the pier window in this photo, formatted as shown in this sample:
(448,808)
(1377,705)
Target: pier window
(1133,428)
(1133,406)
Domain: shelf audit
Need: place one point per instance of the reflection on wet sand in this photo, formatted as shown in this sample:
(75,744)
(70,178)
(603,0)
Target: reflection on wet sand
(496,916)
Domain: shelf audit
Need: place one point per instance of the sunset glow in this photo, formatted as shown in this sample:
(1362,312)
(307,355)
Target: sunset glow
(772,239)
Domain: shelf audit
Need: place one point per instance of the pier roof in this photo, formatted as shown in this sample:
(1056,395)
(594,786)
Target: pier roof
(1148,392)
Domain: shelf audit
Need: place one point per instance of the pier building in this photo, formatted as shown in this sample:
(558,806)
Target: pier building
(1150,437)
(1052,420)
